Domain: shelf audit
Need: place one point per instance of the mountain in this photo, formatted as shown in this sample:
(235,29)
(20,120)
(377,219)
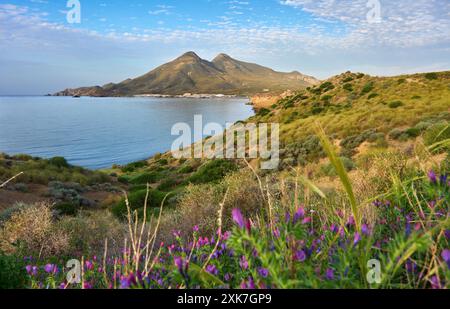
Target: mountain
(191,74)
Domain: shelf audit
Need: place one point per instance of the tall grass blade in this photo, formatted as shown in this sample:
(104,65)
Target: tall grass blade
(342,173)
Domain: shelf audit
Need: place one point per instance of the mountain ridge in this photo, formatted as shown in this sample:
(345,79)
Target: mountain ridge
(191,74)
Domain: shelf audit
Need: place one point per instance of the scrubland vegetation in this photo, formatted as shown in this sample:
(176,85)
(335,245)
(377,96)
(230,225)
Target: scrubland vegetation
(373,185)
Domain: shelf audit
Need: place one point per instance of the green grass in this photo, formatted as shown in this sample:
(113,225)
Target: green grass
(41,171)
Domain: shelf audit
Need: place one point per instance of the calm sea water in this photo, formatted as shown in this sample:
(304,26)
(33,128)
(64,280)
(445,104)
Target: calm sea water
(99,132)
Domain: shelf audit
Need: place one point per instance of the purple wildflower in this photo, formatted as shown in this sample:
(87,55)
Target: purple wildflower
(435,283)
(443,179)
(276,232)
(51,269)
(124,282)
(300,256)
(299,214)
(263,272)
(446,256)
(365,229)
(356,239)
(212,269)
(410,266)
(243,263)
(287,217)
(432,177)
(307,220)
(238,218)
(89,265)
(195,228)
(250,284)
(228,277)
(351,221)
(330,274)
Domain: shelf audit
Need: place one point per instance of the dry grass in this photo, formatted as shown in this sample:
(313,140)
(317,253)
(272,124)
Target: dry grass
(32,231)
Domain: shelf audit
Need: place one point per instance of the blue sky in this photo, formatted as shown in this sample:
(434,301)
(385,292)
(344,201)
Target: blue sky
(40,52)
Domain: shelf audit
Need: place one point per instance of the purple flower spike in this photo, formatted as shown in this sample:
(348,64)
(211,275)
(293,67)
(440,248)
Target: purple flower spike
(212,269)
(243,263)
(51,269)
(447,234)
(330,274)
(238,218)
(435,283)
(356,239)
(89,265)
(443,179)
(299,214)
(365,229)
(300,256)
(31,270)
(432,177)
(263,272)
(446,256)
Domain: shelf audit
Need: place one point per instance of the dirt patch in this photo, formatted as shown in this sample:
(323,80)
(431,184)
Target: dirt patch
(35,194)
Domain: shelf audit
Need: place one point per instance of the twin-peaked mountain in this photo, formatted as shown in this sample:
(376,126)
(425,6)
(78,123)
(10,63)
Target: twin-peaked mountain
(191,74)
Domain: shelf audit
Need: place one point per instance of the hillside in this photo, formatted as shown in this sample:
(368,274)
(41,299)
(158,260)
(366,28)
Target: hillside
(382,192)
(191,74)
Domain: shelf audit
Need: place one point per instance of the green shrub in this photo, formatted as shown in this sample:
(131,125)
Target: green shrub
(131,167)
(327,86)
(145,178)
(317,110)
(263,112)
(374,137)
(348,87)
(372,96)
(395,104)
(413,132)
(137,200)
(396,133)
(348,79)
(125,179)
(168,185)
(186,169)
(437,133)
(66,209)
(212,171)
(367,88)
(58,162)
(12,272)
(163,162)
(431,76)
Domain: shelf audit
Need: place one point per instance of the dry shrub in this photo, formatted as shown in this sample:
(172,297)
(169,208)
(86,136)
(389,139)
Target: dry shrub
(31,231)
(89,230)
(376,171)
(200,204)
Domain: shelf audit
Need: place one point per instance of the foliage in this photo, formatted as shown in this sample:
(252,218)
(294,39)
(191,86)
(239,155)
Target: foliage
(212,171)
(12,272)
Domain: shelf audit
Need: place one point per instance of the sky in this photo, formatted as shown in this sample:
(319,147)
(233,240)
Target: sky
(42,52)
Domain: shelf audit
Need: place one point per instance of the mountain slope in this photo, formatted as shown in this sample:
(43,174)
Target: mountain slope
(191,74)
